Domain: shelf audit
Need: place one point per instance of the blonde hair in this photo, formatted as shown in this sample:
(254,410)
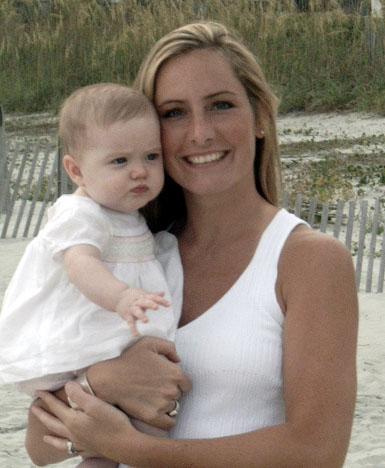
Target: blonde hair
(98,105)
(215,36)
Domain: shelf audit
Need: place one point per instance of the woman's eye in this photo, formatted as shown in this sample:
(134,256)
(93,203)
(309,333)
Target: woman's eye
(171,113)
(222,105)
(152,156)
(119,161)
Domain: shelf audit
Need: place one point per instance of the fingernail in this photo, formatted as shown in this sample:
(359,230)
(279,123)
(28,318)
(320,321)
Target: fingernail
(72,404)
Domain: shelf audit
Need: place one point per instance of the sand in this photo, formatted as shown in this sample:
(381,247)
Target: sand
(367,448)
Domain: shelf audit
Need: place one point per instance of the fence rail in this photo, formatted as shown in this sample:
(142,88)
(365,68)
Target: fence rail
(31,180)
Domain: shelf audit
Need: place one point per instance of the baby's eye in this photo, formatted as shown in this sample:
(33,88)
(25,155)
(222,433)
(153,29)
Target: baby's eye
(152,156)
(222,105)
(119,161)
(171,113)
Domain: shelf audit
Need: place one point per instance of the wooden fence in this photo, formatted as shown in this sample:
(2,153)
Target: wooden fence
(360,225)
(32,178)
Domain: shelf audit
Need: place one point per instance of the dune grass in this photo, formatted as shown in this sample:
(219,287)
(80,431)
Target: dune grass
(316,61)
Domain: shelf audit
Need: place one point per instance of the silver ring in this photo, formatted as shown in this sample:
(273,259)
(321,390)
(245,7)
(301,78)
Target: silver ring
(71,450)
(175,411)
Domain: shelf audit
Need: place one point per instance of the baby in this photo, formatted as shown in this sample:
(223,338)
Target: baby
(94,279)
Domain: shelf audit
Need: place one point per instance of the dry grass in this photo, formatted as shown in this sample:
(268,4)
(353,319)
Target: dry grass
(316,60)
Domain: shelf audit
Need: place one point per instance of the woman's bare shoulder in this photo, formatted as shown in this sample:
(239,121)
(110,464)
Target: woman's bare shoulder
(305,244)
(311,261)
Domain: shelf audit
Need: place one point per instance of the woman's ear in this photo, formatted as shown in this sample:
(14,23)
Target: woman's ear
(72,168)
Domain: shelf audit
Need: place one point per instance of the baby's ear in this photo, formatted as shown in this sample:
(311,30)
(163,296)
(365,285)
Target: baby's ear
(72,168)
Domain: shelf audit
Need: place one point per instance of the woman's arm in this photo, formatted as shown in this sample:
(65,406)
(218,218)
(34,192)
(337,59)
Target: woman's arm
(317,286)
(144,382)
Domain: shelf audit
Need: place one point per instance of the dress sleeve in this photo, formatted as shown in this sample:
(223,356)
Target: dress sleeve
(70,224)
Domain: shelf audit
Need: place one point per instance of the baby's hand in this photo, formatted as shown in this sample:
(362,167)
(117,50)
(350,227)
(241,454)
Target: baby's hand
(133,304)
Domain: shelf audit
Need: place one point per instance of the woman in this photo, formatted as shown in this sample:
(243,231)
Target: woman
(269,327)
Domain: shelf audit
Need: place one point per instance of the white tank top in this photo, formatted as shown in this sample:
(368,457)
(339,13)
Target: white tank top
(233,352)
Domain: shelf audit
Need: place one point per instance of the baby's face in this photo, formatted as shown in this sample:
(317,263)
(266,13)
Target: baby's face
(122,166)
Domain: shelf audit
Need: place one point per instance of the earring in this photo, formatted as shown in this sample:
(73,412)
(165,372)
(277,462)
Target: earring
(260,133)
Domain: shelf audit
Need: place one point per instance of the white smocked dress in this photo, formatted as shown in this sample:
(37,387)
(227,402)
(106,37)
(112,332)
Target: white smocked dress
(48,328)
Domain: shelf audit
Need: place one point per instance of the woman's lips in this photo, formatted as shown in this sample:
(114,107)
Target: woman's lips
(205,158)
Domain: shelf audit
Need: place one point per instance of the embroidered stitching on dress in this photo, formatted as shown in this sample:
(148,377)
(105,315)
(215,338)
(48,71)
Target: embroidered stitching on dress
(132,249)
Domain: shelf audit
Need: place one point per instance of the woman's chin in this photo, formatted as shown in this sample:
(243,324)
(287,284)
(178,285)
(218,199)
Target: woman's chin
(209,189)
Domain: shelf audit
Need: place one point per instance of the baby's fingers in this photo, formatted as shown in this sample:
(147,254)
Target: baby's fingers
(131,322)
(145,303)
(138,312)
(159,299)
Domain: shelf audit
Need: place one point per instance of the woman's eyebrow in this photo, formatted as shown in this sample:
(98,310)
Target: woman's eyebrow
(209,96)
(170,101)
(219,93)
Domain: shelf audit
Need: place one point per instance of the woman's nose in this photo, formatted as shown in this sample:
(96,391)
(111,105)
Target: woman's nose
(201,129)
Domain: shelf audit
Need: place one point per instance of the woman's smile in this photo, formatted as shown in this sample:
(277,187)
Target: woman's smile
(204,159)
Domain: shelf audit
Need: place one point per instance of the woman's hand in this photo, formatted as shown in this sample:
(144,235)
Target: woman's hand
(59,435)
(83,426)
(144,381)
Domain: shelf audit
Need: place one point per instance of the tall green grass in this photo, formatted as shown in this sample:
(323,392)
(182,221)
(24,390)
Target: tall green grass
(315,61)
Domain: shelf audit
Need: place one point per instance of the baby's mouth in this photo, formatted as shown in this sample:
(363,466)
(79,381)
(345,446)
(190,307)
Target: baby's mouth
(139,189)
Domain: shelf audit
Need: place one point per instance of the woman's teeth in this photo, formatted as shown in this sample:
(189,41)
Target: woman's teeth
(207,158)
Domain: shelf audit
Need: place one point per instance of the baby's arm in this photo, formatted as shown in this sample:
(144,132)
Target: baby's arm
(87,272)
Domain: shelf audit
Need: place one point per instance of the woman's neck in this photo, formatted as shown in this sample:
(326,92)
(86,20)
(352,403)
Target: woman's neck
(221,218)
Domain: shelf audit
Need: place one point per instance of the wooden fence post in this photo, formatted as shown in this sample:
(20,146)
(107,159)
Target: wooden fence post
(60,188)
(376,8)
(4,195)
(361,240)
(64,183)
(375,44)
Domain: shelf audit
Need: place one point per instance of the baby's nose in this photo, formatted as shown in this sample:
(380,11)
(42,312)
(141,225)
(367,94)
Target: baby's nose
(138,171)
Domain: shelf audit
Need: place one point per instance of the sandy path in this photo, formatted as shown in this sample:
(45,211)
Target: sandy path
(367,448)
